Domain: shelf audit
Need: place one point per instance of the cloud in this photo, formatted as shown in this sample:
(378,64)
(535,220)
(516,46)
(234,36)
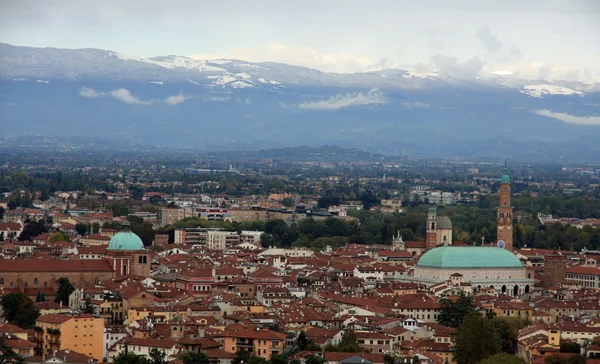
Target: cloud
(90,93)
(436,38)
(515,52)
(175,100)
(450,66)
(216,98)
(300,56)
(490,42)
(124,95)
(415,105)
(372,97)
(382,64)
(568,118)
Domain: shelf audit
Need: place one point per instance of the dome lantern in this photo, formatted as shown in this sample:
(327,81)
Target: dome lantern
(125,240)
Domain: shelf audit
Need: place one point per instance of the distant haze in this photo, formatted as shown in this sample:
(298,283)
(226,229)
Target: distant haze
(539,39)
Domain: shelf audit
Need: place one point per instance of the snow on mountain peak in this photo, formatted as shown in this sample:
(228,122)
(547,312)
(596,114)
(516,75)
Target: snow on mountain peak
(239,80)
(413,73)
(174,62)
(548,90)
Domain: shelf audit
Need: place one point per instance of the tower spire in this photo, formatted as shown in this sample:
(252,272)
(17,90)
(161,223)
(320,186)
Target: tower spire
(504,232)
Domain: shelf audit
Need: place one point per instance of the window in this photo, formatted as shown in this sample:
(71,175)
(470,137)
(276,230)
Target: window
(35,281)
(2,281)
(12,284)
(45,284)
(25,285)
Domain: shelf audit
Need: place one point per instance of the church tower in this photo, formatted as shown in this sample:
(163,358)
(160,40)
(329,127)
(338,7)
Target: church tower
(431,230)
(505,214)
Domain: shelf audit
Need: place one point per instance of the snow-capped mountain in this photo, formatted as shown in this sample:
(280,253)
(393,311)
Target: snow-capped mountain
(548,90)
(177,100)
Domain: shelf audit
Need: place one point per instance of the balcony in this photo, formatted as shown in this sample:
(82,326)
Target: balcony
(244,344)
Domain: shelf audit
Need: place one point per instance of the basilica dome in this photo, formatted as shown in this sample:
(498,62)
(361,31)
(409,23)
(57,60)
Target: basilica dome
(125,239)
(469,257)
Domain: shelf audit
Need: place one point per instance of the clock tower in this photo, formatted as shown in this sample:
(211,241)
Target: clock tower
(504,217)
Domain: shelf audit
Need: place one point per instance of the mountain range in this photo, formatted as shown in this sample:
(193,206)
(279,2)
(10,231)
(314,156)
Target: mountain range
(228,104)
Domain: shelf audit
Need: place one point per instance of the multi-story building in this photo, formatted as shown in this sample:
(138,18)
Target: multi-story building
(554,271)
(42,273)
(172,215)
(95,239)
(588,277)
(374,342)
(262,342)
(81,333)
(220,240)
(250,236)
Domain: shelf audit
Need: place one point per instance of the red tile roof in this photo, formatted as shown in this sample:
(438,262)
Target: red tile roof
(47,265)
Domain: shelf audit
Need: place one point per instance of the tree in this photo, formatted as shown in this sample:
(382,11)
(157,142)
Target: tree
(313,359)
(475,339)
(241,356)
(453,313)
(277,359)
(32,229)
(503,358)
(81,228)
(561,359)
(570,347)
(65,288)
(157,356)
(349,342)
(88,306)
(194,358)
(127,357)
(19,310)
(40,297)
(8,355)
(255,359)
(508,329)
(58,236)
(388,359)
(302,341)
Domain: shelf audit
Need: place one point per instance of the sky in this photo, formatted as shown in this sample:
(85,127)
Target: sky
(537,39)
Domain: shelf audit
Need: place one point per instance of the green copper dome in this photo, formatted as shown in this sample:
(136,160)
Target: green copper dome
(469,257)
(125,239)
(443,222)
(505,178)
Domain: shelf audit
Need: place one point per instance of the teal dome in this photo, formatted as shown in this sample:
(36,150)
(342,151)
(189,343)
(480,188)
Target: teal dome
(505,178)
(469,257)
(125,239)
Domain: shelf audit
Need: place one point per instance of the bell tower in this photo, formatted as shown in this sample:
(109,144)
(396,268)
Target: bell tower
(504,217)
(431,230)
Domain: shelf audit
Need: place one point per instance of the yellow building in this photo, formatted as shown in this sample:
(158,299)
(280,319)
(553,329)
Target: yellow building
(263,342)
(155,312)
(50,307)
(16,339)
(81,333)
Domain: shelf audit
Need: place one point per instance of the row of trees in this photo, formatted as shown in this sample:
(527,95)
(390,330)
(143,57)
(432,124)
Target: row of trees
(486,339)
(21,311)
(241,357)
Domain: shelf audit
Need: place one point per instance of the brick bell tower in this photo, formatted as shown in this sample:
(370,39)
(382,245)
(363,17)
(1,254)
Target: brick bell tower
(431,232)
(504,217)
